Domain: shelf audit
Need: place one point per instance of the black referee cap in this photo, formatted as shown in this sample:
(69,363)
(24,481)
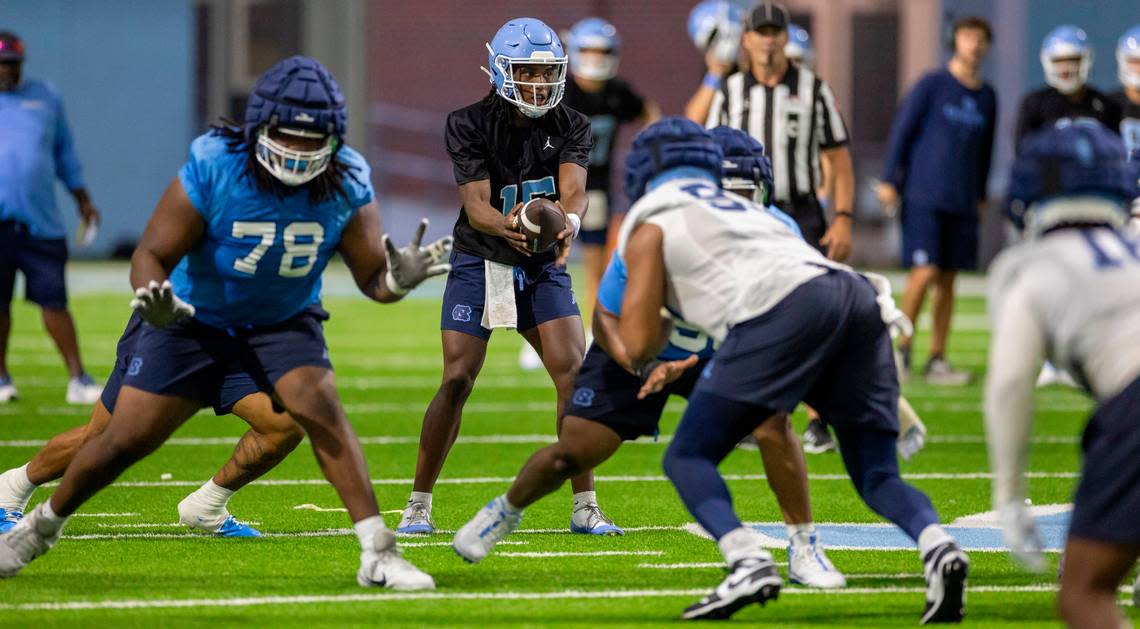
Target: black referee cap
(768,14)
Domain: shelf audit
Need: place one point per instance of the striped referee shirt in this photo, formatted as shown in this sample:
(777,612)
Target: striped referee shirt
(794,120)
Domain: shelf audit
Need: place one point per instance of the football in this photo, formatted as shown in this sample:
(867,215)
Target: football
(540,220)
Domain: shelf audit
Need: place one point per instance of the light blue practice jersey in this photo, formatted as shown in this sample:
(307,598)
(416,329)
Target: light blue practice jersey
(261,257)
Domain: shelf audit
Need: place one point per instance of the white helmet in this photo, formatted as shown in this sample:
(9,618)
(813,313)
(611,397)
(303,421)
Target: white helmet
(1128,48)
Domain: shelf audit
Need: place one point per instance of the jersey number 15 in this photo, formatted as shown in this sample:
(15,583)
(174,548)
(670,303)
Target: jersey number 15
(310,235)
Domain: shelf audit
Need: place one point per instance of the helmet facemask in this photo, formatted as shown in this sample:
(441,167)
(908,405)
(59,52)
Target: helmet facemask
(1128,65)
(526,94)
(1080,63)
(594,64)
(293,167)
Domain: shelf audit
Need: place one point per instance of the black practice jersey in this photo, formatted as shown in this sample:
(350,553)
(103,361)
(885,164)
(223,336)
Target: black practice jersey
(1129,120)
(520,162)
(607,109)
(1047,105)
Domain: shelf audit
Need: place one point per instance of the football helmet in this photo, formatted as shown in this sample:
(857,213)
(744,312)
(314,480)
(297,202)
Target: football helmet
(717,25)
(1128,49)
(746,166)
(526,41)
(297,97)
(593,33)
(1066,42)
(671,142)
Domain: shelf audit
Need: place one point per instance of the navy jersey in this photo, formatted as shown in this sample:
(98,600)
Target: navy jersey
(1047,105)
(607,109)
(520,162)
(1129,121)
(261,256)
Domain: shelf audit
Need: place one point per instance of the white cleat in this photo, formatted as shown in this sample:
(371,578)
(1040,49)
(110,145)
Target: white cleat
(910,442)
(946,569)
(7,390)
(529,360)
(751,580)
(83,390)
(26,541)
(416,520)
(808,564)
(384,566)
(494,521)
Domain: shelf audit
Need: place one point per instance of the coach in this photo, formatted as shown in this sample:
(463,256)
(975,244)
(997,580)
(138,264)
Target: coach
(793,113)
(938,156)
(36,148)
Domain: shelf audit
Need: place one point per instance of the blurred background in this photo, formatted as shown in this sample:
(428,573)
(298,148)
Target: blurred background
(141,78)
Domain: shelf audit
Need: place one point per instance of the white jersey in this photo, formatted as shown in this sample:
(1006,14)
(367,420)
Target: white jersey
(1073,297)
(727,260)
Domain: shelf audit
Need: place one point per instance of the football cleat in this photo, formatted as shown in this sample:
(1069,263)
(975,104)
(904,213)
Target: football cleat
(9,518)
(232,528)
(817,438)
(416,519)
(83,390)
(529,360)
(939,372)
(26,541)
(588,519)
(7,390)
(946,570)
(808,564)
(751,580)
(494,521)
(384,566)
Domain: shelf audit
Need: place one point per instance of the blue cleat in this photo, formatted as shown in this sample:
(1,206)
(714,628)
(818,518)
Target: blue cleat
(416,520)
(588,519)
(8,519)
(232,528)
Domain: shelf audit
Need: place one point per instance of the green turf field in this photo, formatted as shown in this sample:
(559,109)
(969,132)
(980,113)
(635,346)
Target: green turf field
(123,561)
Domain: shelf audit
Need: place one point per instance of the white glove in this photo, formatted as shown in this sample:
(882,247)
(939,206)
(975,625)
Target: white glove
(1020,534)
(410,265)
(159,306)
(896,321)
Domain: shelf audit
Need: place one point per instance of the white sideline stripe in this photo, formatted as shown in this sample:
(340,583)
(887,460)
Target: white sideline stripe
(104,515)
(335,533)
(720,565)
(156,525)
(528,439)
(429,596)
(596,553)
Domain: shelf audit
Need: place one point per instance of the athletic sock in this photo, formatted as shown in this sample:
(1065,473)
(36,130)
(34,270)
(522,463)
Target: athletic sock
(366,530)
(16,489)
(423,497)
(740,543)
(807,529)
(932,537)
(508,507)
(211,497)
(585,498)
(48,523)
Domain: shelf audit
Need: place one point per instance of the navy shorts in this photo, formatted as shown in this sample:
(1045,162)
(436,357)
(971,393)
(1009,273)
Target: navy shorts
(1108,496)
(542,293)
(596,224)
(236,384)
(607,394)
(824,344)
(191,360)
(947,240)
(41,261)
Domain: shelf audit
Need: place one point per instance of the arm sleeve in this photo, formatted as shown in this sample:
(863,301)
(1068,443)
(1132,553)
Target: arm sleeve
(912,111)
(987,148)
(66,160)
(1017,347)
(579,141)
(832,132)
(467,149)
(612,287)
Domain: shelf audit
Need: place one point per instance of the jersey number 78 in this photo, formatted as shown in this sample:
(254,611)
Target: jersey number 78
(301,239)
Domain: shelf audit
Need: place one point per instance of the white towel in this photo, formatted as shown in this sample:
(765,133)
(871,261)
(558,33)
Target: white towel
(499,309)
(896,321)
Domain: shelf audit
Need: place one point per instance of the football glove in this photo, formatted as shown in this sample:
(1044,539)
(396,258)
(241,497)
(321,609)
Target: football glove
(410,265)
(1020,534)
(159,306)
(897,322)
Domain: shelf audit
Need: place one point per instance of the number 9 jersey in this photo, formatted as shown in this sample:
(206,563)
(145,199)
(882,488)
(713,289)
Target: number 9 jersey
(261,256)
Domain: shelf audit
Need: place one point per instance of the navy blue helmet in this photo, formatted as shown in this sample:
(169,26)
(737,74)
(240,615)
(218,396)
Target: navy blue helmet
(1074,157)
(296,97)
(746,166)
(670,143)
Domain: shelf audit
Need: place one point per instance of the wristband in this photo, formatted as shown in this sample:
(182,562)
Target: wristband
(845,213)
(575,223)
(712,81)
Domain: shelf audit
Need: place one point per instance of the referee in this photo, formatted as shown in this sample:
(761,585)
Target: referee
(793,113)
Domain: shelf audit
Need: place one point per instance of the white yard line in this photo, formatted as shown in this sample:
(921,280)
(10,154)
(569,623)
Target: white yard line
(596,553)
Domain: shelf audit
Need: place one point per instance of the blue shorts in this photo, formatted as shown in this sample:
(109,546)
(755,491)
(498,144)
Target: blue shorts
(947,240)
(236,384)
(41,261)
(607,394)
(824,344)
(542,293)
(1107,501)
(194,361)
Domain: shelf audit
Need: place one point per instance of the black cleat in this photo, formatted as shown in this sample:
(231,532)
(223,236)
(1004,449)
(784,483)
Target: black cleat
(752,580)
(946,570)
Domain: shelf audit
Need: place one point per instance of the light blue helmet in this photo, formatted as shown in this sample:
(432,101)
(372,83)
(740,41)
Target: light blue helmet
(717,25)
(1066,42)
(526,41)
(1128,49)
(593,33)
(799,48)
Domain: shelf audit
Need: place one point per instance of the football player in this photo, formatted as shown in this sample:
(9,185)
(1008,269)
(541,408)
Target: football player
(791,325)
(1070,292)
(228,272)
(517,143)
(612,403)
(1128,98)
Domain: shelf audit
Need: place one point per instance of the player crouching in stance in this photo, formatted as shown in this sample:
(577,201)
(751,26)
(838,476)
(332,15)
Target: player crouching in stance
(251,221)
(613,402)
(791,326)
(1070,293)
(518,143)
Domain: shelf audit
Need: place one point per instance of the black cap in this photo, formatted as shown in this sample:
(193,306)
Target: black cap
(768,14)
